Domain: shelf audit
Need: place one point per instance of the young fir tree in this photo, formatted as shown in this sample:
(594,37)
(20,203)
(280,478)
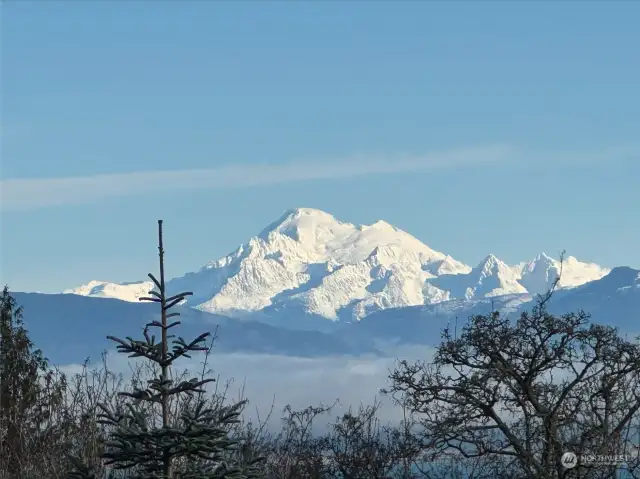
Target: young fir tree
(195,445)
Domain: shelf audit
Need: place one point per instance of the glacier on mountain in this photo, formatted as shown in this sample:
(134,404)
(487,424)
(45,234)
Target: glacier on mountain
(309,261)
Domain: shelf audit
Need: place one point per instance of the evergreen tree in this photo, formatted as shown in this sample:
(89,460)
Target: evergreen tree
(193,445)
(28,393)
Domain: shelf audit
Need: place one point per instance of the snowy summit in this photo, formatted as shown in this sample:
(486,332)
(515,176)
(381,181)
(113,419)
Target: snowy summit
(308,261)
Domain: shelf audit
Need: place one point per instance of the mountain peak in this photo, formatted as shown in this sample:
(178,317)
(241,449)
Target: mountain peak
(491,277)
(623,274)
(539,274)
(296,218)
(312,263)
(299,212)
(489,262)
(382,224)
(129,291)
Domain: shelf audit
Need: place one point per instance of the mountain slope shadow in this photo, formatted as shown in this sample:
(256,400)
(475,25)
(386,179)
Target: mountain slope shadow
(70,328)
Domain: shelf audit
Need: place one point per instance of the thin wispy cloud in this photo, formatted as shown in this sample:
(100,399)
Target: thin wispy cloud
(29,193)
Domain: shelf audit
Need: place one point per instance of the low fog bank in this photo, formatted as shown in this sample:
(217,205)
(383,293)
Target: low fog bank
(273,381)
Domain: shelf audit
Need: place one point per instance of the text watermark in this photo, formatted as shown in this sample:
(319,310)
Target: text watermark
(570,460)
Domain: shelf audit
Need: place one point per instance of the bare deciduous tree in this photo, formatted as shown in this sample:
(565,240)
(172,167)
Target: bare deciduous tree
(526,392)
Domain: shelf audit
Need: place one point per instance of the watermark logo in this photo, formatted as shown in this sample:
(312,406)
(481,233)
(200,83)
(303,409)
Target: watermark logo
(570,460)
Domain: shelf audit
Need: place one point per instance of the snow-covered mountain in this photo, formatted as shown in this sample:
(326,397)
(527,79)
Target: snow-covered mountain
(82,323)
(538,275)
(612,300)
(124,291)
(310,262)
(492,277)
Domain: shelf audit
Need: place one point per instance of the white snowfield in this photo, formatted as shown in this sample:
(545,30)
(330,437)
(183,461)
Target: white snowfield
(123,291)
(311,262)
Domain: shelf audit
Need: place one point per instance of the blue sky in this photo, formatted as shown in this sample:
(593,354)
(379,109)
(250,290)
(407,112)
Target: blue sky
(508,128)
